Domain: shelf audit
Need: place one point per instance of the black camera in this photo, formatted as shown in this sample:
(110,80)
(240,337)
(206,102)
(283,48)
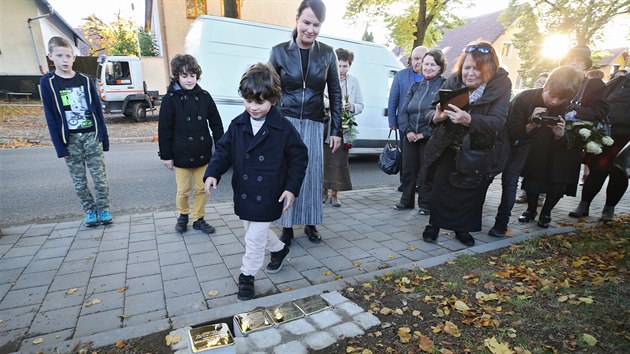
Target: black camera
(545,120)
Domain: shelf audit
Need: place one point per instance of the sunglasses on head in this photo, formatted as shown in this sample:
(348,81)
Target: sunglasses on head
(480,48)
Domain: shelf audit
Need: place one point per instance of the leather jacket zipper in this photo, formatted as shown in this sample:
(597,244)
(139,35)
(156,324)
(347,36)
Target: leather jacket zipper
(304,82)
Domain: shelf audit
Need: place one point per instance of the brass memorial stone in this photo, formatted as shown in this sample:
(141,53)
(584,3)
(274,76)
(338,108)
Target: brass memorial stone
(284,312)
(209,337)
(252,321)
(311,304)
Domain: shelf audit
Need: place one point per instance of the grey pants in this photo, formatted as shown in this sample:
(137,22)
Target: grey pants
(84,149)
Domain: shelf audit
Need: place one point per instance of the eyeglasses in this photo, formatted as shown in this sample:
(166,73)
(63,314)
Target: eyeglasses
(480,48)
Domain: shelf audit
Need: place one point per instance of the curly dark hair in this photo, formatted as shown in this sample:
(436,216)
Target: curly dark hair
(184,63)
(260,82)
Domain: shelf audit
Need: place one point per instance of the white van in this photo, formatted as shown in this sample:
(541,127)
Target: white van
(225,47)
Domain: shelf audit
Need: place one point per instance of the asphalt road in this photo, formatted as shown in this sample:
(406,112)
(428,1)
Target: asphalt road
(35,186)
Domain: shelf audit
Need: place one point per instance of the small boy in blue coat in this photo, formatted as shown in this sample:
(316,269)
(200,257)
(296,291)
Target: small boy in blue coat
(269,161)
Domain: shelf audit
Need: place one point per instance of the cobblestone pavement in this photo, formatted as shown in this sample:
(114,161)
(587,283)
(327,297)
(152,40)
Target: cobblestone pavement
(149,278)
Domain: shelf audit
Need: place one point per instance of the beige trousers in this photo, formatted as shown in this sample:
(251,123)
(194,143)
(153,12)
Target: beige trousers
(185,177)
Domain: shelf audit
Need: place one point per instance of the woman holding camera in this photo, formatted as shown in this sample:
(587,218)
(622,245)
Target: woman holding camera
(528,116)
(553,164)
(475,136)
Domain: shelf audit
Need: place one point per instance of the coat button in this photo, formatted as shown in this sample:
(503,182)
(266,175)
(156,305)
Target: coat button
(190,138)
(202,157)
(261,158)
(245,177)
(258,198)
(201,138)
(188,119)
(246,156)
(191,159)
(199,118)
(182,98)
(243,196)
(185,97)
(196,98)
(259,178)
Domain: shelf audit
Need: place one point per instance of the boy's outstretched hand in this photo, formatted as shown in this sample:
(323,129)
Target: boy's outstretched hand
(168,164)
(211,182)
(287,197)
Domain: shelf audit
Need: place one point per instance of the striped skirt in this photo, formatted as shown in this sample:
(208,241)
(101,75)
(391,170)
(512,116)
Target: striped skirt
(308,208)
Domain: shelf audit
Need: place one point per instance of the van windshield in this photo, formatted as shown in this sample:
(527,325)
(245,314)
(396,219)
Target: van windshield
(117,73)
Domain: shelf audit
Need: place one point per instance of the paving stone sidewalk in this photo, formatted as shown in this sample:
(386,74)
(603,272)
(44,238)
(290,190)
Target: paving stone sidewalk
(149,278)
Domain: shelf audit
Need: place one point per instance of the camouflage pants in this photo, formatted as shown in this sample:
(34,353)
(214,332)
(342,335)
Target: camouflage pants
(84,149)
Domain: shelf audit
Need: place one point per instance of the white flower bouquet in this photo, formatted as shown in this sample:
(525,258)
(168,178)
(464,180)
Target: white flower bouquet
(586,134)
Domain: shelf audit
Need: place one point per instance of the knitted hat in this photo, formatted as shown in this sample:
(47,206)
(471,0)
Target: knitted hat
(581,52)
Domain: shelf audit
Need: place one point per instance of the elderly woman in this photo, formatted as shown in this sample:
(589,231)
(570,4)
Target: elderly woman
(305,67)
(464,151)
(417,131)
(336,171)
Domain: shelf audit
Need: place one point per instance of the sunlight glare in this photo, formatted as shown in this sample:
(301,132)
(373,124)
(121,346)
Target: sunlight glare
(555,46)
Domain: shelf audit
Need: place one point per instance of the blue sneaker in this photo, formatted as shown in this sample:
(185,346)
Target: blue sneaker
(90,219)
(106,217)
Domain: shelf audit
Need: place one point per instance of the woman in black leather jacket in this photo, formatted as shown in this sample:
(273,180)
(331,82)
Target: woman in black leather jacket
(305,66)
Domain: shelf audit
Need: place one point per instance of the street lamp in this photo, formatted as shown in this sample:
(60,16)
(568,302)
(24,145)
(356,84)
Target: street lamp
(133,11)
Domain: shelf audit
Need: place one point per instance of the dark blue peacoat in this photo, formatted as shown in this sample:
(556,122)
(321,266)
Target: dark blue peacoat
(265,165)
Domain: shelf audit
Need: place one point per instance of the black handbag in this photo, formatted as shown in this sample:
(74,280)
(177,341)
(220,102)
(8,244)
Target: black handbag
(622,160)
(390,159)
(472,166)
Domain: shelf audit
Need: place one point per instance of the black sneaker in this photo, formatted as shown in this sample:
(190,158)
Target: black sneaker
(430,234)
(246,289)
(276,260)
(203,226)
(182,223)
(465,238)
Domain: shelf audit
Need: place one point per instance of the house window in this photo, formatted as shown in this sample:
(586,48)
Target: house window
(195,8)
(506,50)
(231,8)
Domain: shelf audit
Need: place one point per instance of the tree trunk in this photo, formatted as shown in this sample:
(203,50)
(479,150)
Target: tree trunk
(421,24)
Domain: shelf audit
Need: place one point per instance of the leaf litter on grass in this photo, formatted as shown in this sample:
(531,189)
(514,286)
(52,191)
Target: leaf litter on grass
(555,294)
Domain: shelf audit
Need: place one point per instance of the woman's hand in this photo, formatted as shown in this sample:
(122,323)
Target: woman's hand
(347,107)
(211,182)
(439,115)
(413,137)
(168,164)
(458,116)
(558,129)
(335,143)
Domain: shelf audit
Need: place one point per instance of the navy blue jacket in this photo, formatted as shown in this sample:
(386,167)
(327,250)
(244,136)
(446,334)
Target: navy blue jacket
(57,124)
(265,164)
(186,119)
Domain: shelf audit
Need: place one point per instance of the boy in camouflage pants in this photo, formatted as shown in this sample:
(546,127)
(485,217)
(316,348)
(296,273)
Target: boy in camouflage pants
(77,129)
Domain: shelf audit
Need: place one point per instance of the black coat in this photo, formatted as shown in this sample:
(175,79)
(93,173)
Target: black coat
(489,115)
(303,97)
(265,164)
(556,161)
(186,118)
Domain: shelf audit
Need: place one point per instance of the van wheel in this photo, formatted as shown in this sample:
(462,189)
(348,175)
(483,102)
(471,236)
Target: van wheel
(139,112)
